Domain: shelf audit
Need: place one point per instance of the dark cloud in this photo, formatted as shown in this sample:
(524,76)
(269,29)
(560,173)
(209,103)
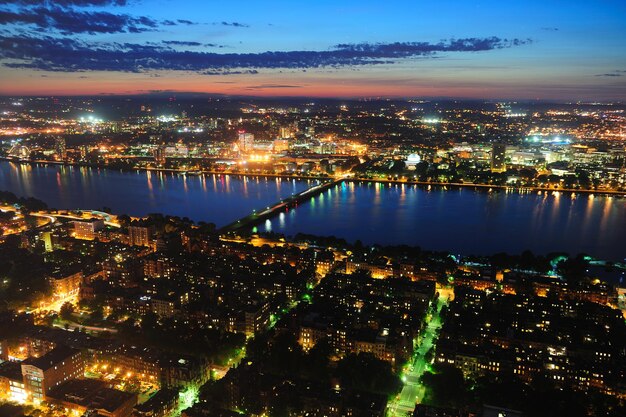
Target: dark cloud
(235,24)
(182,43)
(409,49)
(66,54)
(66,3)
(188,43)
(612,74)
(228,72)
(178,22)
(550,29)
(70,21)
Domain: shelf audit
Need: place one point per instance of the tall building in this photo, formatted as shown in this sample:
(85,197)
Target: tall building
(286,132)
(140,235)
(246,141)
(46,237)
(159,155)
(498,163)
(84,151)
(50,370)
(66,284)
(87,229)
(60,148)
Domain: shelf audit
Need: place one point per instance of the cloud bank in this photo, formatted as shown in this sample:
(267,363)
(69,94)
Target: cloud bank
(70,55)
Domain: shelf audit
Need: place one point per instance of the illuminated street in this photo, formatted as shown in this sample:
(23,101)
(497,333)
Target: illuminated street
(412,391)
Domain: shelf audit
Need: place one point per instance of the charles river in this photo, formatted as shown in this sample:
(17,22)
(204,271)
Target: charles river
(459,220)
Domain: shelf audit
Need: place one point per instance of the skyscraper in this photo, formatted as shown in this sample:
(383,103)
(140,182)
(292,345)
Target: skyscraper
(84,151)
(498,163)
(46,237)
(60,149)
(286,131)
(246,141)
(159,155)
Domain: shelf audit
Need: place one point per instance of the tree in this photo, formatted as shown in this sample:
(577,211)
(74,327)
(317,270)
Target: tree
(445,387)
(149,322)
(97,314)
(67,309)
(365,372)
(317,361)
(430,355)
(573,270)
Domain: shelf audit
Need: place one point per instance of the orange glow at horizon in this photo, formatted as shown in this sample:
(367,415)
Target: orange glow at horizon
(428,83)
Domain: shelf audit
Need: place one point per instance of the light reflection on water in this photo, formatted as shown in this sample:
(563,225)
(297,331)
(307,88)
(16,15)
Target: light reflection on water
(214,198)
(460,220)
(463,220)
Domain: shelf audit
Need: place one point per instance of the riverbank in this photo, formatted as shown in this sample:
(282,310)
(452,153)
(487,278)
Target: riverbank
(186,172)
(474,186)
(488,187)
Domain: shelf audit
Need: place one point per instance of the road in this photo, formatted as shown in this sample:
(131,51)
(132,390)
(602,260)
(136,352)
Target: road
(412,391)
(73,326)
(46,220)
(87,214)
(283,204)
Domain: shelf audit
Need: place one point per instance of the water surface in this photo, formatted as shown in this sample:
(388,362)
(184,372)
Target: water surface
(220,199)
(463,220)
(460,220)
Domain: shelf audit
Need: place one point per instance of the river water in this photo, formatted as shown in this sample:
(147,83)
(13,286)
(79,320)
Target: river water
(463,220)
(460,220)
(220,199)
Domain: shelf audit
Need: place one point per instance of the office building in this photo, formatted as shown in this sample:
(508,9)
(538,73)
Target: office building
(498,163)
(246,141)
(46,237)
(87,229)
(60,148)
(140,235)
(50,370)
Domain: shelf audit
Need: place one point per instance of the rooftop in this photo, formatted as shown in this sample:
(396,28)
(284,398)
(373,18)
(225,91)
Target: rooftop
(91,394)
(52,358)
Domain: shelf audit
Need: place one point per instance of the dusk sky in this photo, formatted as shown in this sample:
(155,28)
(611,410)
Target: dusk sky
(555,50)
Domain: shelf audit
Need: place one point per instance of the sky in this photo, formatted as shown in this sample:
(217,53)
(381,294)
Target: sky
(513,50)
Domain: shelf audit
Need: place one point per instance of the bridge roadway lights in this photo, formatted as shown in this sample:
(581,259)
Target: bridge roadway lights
(290,202)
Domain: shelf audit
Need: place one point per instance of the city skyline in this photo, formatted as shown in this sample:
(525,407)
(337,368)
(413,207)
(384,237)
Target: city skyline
(320,209)
(488,50)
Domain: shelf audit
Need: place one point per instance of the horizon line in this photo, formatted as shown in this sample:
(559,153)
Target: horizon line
(307,97)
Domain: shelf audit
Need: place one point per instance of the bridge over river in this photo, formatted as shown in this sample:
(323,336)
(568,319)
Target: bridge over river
(283,205)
